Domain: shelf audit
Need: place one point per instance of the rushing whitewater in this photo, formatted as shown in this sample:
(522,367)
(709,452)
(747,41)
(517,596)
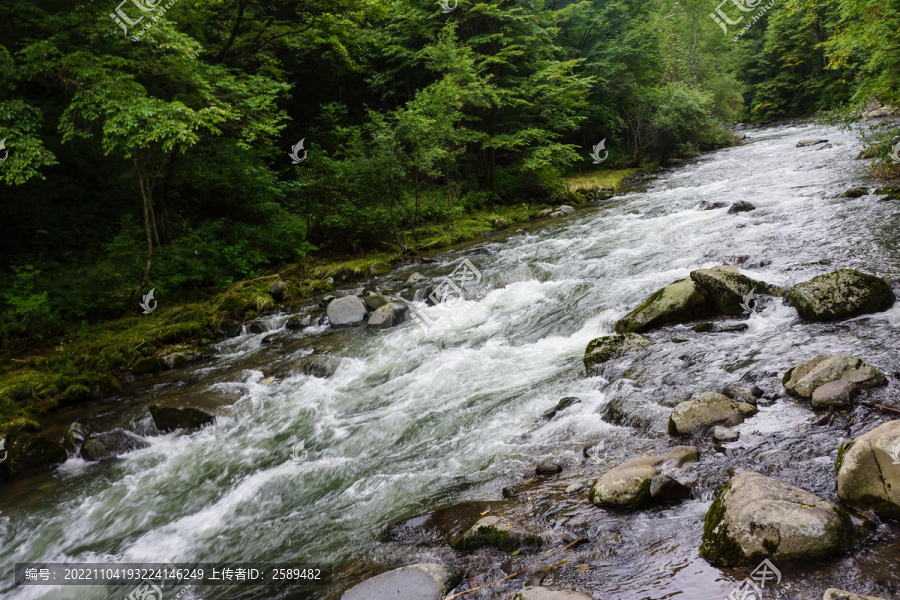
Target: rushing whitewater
(412,420)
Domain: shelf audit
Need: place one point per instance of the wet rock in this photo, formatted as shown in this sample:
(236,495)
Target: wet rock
(179,359)
(739,207)
(664,488)
(298,322)
(841,294)
(74,438)
(172,414)
(836,594)
(317,366)
(733,420)
(803,143)
(326,300)
(423,581)
(111,444)
(602,349)
(574,488)
(392,313)
(561,405)
(257,328)
(566,209)
(547,468)
(150,364)
(549,593)
(231,329)
(824,147)
(498,532)
(705,327)
(835,394)
(499,223)
(731,328)
(855,192)
(754,517)
(27,453)
(868,471)
(801,381)
(278,290)
(556,214)
(727,288)
(698,415)
(414,279)
(348,311)
(681,301)
(237,304)
(712,205)
(892,192)
(628,485)
(375,300)
(720,434)
(542,213)
(741,394)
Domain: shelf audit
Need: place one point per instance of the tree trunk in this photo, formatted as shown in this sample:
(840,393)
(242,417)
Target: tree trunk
(147,227)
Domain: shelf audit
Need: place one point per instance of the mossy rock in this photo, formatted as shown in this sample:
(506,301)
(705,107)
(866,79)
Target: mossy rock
(681,301)
(804,379)
(109,384)
(603,349)
(855,192)
(705,327)
(27,453)
(74,438)
(727,288)
(891,191)
(497,532)
(841,294)
(151,364)
(236,304)
(868,474)
(696,416)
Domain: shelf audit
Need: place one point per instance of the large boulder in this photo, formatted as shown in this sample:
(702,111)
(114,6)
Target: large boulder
(348,311)
(868,471)
(374,300)
(727,288)
(681,301)
(424,581)
(498,532)
(390,314)
(185,412)
(804,379)
(836,594)
(26,453)
(549,593)
(628,485)
(110,444)
(753,517)
(605,348)
(695,417)
(841,294)
(835,394)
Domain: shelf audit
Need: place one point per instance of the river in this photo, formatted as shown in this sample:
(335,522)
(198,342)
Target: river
(413,420)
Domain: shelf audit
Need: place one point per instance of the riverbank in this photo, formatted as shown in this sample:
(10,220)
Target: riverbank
(96,360)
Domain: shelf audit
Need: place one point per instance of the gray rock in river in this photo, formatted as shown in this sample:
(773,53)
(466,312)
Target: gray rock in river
(171,414)
(424,581)
(836,594)
(556,214)
(348,311)
(374,300)
(549,593)
(855,192)
(739,207)
(392,313)
(720,434)
(74,438)
(803,143)
(727,288)
(741,394)
(561,405)
(628,485)
(414,279)
(566,209)
(754,517)
(298,322)
(838,394)
(841,294)
(110,444)
(681,301)
(696,416)
(804,379)
(498,532)
(26,453)
(868,471)
(664,488)
(602,349)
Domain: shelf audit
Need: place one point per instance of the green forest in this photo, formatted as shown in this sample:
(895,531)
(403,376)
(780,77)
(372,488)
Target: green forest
(189,145)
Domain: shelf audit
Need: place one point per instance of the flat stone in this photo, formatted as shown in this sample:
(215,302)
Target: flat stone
(838,394)
(424,581)
(574,487)
(720,434)
(348,311)
(855,192)
(556,214)
(699,414)
(498,532)
(547,468)
(801,381)
(803,143)
(868,471)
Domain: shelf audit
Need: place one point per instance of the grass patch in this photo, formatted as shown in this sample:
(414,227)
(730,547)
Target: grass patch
(607,178)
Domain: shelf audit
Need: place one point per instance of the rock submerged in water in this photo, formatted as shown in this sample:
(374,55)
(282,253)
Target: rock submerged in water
(628,485)
(695,417)
(74,438)
(561,405)
(424,581)
(167,417)
(390,314)
(497,532)
(605,348)
(803,143)
(754,517)
(739,207)
(855,192)
(110,444)
(868,474)
(741,394)
(836,594)
(804,379)
(664,488)
(27,453)
(841,294)
(549,593)
(348,311)
(681,301)
(727,288)
(720,434)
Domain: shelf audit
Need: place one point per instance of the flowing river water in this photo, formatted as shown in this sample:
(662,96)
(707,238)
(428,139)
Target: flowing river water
(412,420)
